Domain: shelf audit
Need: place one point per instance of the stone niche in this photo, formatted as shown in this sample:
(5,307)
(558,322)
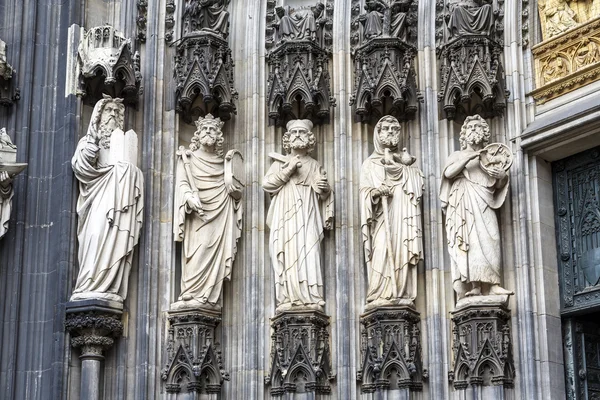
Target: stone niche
(469,47)
(384,48)
(298,42)
(108,66)
(8,94)
(203,63)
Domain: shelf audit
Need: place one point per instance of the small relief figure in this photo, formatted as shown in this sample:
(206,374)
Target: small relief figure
(391,188)
(470,17)
(300,24)
(557,17)
(110,204)
(8,169)
(6,195)
(301,209)
(208,216)
(383,19)
(588,53)
(372,20)
(474,186)
(207,15)
(554,68)
(5,141)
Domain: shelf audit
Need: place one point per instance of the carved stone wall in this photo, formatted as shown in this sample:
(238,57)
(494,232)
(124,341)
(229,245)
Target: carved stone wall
(300,354)
(384,48)
(391,350)
(298,62)
(481,343)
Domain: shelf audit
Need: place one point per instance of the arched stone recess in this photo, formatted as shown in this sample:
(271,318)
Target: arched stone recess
(384,47)
(203,62)
(108,65)
(469,46)
(299,43)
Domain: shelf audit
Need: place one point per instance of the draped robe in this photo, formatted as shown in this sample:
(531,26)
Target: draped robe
(471,200)
(110,211)
(209,243)
(297,217)
(406,236)
(6,195)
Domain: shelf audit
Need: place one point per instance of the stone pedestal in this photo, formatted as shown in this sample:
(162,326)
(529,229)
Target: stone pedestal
(391,350)
(93,325)
(482,347)
(300,354)
(194,363)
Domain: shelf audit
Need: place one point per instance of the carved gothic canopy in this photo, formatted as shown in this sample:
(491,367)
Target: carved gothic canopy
(470,47)
(299,44)
(384,46)
(108,66)
(203,63)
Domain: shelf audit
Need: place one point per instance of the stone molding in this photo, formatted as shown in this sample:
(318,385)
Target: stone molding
(391,344)
(194,361)
(300,353)
(482,347)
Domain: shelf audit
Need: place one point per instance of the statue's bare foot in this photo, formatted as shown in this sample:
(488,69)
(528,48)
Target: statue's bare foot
(498,290)
(476,291)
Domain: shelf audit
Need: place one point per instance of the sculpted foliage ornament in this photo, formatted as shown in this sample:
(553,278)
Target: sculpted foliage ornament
(469,38)
(384,40)
(142,19)
(8,95)
(203,63)
(108,66)
(299,44)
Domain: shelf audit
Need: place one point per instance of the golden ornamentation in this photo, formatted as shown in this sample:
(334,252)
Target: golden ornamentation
(569,60)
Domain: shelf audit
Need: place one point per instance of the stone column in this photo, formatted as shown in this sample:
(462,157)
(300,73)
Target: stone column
(194,362)
(391,351)
(483,363)
(93,325)
(300,354)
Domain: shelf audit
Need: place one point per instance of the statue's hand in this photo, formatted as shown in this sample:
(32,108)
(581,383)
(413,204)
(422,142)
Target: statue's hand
(292,165)
(496,172)
(382,190)
(323,185)
(194,204)
(5,179)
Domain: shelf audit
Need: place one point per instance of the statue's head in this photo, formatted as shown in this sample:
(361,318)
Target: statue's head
(299,135)
(108,115)
(387,133)
(474,131)
(208,134)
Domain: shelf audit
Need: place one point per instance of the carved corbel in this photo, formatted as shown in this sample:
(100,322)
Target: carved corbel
(8,94)
(203,63)
(108,66)
(299,49)
(470,51)
(384,51)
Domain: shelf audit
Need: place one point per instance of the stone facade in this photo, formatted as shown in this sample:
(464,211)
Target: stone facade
(176,60)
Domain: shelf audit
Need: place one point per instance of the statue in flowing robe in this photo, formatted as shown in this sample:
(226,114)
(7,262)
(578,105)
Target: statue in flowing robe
(470,17)
(208,217)
(300,24)
(301,209)
(474,186)
(109,207)
(6,195)
(207,15)
(390,203)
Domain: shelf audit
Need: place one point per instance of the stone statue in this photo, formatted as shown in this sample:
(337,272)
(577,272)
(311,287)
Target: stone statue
(299,24)
(207,15)
(470,17)
(8,169)
(110,204)
(390,203)
(556,17)
(301,208)
(474,186)
(378,12)
(208,217)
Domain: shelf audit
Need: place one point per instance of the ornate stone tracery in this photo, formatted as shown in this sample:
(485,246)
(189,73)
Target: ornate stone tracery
(384,45)
(299,44)
(203,63)
(108,66)
(470,48)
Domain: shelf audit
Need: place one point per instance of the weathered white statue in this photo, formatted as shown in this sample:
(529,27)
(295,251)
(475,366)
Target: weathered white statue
(8,169)
(110,204)
(301,208)
(208,216)
(474,186)
(390,203)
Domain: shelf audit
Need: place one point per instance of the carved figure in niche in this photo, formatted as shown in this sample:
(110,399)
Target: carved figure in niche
(474,186)
(557,17)
(391,188)
(110,203)
(300,24)
(554,68)
(207,15)
(470,17)
(8,169)
(301,209)
(208,216)
(588,53)
(378,12)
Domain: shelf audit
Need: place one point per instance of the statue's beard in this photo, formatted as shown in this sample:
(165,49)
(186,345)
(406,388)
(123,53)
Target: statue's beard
(298,142)
(104,134)
(475,137)
(389,140)
(208,141)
